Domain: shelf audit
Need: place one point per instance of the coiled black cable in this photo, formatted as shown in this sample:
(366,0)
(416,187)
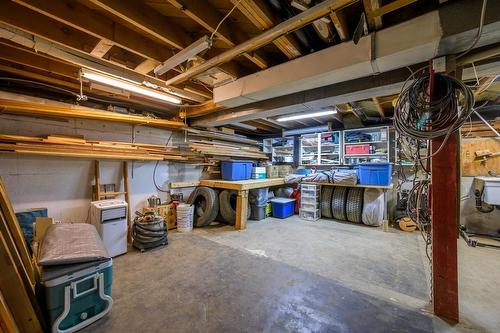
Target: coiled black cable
(421,116)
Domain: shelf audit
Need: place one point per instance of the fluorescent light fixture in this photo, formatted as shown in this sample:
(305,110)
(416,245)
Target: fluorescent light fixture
(130,86)
(183,55)
(308,115)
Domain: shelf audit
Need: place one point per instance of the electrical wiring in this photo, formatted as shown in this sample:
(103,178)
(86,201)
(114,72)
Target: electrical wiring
(223,19)
(479,31)
(156,167)
(421,117)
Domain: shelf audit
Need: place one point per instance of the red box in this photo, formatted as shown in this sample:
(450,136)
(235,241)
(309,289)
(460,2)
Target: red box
(357,149)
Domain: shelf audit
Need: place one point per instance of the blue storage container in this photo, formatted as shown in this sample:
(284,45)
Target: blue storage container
(236,170)
(26,218)
(282,207)
(373,173)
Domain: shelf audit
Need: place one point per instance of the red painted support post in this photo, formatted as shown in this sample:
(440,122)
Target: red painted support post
(445,214)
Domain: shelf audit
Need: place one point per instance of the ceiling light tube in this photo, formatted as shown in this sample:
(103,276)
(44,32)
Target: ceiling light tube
(185,54)
(129,86)
(308,115)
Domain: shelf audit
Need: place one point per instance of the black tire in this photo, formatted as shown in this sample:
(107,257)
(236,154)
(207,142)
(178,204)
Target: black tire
(326,201)
(227,206)
(354,204)
(339,200)
(206,206)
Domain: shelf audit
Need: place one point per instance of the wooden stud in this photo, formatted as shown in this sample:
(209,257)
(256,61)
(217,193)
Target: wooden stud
(16,233)
(379,107)
(7,322)
(260,15)
(101,48)
(392,6)
(241,210)
(340,23)
(22,306)
(374,22)
(97,176)
(126,187)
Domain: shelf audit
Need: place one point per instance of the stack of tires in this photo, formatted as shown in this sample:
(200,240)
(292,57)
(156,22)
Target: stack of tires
(353,204)
(149,231)
(342,203)
(210,205)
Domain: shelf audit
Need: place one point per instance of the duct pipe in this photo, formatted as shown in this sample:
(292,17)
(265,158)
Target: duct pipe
(307,130)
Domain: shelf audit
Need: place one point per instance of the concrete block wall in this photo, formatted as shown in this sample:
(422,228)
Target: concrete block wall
(64,185)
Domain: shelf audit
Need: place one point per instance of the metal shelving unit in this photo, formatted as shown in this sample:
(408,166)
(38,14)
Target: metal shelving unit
(321,149)
(373,141)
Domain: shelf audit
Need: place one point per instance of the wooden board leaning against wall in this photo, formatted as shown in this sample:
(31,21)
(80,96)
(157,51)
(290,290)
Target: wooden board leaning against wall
(478,166)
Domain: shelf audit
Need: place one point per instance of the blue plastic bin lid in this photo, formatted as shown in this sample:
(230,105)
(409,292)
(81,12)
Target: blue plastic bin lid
(282,200)
(237,161)
(375,163)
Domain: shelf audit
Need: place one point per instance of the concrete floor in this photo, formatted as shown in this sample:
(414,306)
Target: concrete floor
(295,276)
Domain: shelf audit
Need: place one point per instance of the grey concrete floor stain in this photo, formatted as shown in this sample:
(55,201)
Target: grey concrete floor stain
(197,285)
(212,281)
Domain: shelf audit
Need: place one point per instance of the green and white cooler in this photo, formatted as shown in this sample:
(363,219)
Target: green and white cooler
(76,277)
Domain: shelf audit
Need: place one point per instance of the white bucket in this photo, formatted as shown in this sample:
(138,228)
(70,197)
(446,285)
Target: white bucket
(185,214)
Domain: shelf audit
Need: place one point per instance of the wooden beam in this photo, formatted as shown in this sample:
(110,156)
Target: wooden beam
(101,48)
(340,23)
(294,23)
(38,61)
(202,110)
(146,19)
(51,109)
(146,66)
(379,107)
(374,22)
(445,219)
(390,7)
(206,15)
(78,16)
(37,24)
(259,14)
(153,24)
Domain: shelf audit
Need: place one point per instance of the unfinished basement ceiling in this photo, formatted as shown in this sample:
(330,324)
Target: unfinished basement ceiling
(134,37)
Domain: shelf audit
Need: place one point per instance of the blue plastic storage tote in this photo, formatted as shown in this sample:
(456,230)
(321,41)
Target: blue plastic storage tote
(372,173)
(236,170)
(282,207)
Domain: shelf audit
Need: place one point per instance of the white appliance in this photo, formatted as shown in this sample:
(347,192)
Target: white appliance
(111,220)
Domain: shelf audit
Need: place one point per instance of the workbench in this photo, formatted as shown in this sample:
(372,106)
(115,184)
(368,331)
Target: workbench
(384,189)
(241,186)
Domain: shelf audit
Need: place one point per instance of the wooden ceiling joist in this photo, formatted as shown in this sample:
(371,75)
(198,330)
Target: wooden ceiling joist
(259,14)
(378,106)
(374,22)
(340,23)
(266,37)
(152,23)
(38,61)
(209,18)
(202,110)
(79,17)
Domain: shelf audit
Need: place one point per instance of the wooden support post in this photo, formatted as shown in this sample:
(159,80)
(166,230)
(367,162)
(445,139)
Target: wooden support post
(126,188)
(97,176)
(241,210)
(445,182)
